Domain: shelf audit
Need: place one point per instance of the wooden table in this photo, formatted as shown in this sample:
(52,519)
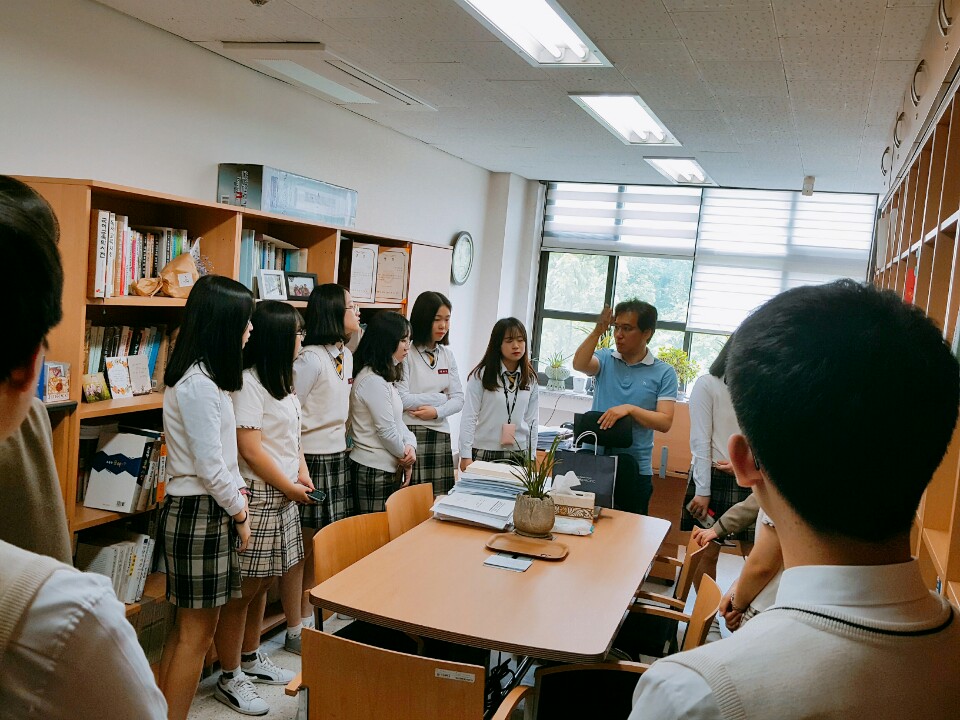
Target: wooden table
(431,581)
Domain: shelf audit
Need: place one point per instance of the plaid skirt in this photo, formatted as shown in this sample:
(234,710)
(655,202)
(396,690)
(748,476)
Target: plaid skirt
(724,494)
(373,486)
(434,459)
(198,549)
(276,543)
(331,474)
(492,455)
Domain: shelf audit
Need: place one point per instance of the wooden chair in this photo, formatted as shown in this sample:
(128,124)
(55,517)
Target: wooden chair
(350,681)
(408,507)
(688,567)
(573,692)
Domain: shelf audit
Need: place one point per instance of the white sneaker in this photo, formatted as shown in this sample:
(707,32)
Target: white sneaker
(264,670)
(239,694)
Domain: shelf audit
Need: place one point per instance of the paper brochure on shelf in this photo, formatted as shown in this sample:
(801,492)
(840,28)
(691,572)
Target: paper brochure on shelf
(363,272)
(392,264)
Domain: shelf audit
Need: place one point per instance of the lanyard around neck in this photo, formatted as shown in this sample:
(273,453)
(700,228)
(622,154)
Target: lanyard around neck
(506,394)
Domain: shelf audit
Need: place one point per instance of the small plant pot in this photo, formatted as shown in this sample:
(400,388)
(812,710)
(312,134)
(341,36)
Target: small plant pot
(556,377)
(533,517)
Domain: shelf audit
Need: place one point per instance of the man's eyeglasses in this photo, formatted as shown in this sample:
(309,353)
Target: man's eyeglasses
(623,328)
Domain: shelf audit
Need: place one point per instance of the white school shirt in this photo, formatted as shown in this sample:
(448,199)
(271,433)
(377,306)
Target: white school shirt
(485,412)
(201,433)
(376,422)
(425,384)
(324,398)
(712,422)
(75,656)
(277,420)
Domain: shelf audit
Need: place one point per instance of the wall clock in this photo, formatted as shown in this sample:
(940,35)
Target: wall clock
(462,258)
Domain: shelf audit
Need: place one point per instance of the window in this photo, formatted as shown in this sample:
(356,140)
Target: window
(704,257)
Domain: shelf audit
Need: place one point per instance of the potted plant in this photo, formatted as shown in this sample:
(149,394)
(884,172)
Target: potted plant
(686,368)
(534,512)
(555,371)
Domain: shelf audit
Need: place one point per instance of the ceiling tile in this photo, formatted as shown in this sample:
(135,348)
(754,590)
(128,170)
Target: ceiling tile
(745,78)
(671,89)
(755,117)
(903,32)
(660,54)
(729,35)
(700,130)
(708,5)
(621,19)
(814,48)
(848,18)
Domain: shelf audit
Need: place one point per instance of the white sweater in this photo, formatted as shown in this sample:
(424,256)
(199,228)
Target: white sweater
(376,420)
(485,412)
(324,397)
(841,642)
(437,385)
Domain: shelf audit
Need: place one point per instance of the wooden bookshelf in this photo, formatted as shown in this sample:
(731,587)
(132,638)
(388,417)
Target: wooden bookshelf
(137,403)
(919,220)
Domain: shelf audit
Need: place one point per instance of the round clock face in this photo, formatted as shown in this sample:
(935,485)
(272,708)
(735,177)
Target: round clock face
(462,258)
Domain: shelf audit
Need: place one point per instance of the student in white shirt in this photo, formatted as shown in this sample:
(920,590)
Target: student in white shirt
(322,375)
(713,487)
(67,651)
(848,399)
(756,588)
(502,398)
(430,390)
(272,465)
(384,449)
(204,521)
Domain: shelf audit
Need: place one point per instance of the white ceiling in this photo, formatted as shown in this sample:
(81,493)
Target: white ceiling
(761,92)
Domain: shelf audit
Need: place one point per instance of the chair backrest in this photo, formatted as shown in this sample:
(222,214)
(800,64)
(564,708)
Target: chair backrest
(339,545)
(704,610)
(351,681)
(691,560)
(408,507)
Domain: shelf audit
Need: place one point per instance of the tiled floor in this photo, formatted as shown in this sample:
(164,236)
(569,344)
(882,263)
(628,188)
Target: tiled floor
(206,707)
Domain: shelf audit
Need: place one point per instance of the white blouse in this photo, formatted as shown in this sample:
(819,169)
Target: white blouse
(486,411)
(324,397)
(277,420)
(376,422)
(201,433)
(712,422)
(436,384)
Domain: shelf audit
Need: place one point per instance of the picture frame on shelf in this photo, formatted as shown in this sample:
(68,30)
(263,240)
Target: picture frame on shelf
(271,285)
(300,285)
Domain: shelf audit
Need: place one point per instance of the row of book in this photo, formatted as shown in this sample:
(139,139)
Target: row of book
(262,252)
(121,255)
(484,495)
(109,341)
(122,469)
(126,559)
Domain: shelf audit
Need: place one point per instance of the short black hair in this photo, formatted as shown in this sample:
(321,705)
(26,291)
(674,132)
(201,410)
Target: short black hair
(848,398)
(645,312)
(488,369)
(29,232)
(324,318)
(718,368)
(214,319)
(424,312)
(270,347)
(378,344)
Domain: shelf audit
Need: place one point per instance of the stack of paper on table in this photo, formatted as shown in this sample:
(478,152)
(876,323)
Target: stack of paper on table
(492,512)
(490,479)
(546,434)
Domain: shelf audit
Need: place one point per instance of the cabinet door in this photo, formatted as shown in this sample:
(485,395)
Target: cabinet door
(429,270)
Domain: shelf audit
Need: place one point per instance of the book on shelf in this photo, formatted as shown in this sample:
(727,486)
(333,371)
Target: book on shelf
(56,381)
(118,374)
(125,558)
(116,480)
(263,252)
(139,369)
(125,341)
(95,388)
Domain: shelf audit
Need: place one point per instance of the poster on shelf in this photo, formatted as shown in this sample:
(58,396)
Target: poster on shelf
(392,273)
(363,272)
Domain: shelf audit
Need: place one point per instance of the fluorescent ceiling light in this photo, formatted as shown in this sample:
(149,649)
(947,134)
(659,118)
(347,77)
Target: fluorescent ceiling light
(627,117)
(539,30)
(682,171)
(307,77)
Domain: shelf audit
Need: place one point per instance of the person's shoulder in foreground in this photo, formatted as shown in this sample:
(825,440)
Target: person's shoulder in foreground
(854,632)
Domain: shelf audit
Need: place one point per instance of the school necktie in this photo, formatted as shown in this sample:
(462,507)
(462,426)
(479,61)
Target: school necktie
(511,380)
(338,361)
(431,358)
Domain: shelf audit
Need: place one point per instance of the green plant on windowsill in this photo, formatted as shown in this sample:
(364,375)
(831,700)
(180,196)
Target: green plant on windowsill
(555,371)
(676,358)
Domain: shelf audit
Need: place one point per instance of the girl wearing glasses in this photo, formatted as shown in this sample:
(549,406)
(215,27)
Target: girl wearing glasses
(502,398)
(384,449)
(322,374)
(430,390)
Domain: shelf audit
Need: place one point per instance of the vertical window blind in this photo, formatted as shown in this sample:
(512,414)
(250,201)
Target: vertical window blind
(754,244)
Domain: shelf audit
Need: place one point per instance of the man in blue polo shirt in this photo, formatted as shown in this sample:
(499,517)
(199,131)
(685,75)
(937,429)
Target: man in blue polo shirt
(631,381)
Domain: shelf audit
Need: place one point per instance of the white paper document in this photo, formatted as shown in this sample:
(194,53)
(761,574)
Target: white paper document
(492,512)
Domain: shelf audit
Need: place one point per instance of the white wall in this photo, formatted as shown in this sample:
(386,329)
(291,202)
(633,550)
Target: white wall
(87,92)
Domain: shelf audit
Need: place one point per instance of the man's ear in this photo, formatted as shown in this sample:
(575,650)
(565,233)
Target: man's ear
(24,377)
(744,465)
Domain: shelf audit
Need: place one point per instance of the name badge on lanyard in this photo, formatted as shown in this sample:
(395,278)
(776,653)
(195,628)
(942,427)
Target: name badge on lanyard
(508,431)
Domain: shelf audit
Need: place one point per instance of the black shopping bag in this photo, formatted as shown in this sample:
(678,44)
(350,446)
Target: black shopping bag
(597,473)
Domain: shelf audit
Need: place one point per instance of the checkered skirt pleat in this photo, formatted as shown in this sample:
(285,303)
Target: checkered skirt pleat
(276,542)
(724,494)
(434,459)
(330,473)
(203,570)
(492,455)
(373,486)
